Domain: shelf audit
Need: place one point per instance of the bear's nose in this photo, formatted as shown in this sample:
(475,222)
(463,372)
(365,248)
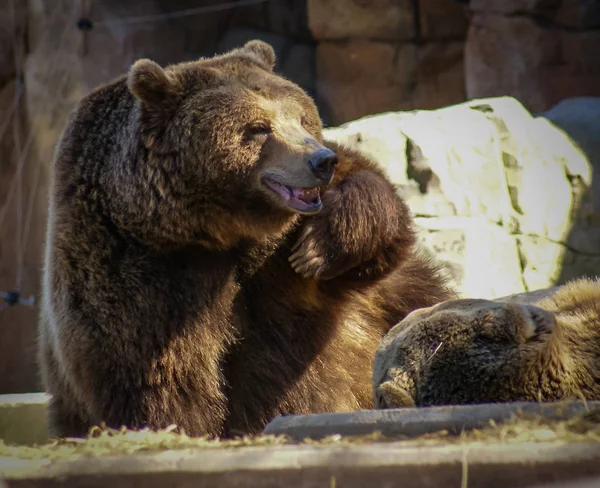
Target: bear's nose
(322,164)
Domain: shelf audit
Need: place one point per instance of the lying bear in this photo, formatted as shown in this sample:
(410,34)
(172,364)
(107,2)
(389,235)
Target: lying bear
(479,351)
(211,262)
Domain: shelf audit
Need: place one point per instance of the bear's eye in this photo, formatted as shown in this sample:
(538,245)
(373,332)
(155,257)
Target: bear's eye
(259,129)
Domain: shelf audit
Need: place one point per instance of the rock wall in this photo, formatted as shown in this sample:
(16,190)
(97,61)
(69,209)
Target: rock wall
(553,48)
(508,201)
(379,55)
(22,206)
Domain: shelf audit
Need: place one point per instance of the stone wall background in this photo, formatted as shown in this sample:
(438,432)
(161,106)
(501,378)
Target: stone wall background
(356,57)
(539,51)
(379,55)
(23,187)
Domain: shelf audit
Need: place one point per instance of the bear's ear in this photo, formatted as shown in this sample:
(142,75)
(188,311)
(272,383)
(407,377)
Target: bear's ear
(536,323)
(150,84)
(262,52)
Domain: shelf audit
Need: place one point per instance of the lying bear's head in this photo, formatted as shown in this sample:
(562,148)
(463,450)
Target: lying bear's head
(465,351)
(247,140)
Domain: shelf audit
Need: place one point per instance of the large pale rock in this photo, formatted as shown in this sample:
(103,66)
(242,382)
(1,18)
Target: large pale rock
(541,165)
(362,19)
(489,172)
(535,151)
(480,258)
(444,240)
(462,148)
(545,65)
(454,155)
(579,120)
(381,138)
(358,78)
(542,261)
(546,263)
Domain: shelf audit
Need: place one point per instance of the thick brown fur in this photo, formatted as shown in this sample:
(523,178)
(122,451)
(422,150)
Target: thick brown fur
(179,289)
(480,351)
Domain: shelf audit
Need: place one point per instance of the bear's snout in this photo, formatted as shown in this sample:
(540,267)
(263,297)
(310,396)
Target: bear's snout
(322,163)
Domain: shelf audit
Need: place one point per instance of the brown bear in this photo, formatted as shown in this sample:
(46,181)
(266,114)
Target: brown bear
(211,262)
(480,351)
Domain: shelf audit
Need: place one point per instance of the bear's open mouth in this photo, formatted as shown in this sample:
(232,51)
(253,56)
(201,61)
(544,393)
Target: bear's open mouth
(302,200)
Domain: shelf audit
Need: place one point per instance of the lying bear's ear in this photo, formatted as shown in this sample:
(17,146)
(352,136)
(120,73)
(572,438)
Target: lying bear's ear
(150,84)
(262,52)
(537,324)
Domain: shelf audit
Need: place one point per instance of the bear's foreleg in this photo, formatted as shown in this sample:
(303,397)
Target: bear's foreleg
(363,231)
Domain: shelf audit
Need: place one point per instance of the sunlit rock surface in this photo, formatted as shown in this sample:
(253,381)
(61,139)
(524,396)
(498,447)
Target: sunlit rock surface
(508,201)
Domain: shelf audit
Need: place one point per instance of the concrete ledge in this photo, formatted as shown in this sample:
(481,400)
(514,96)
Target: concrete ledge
(24,418)
(412,422)
(582,483)
(489,466)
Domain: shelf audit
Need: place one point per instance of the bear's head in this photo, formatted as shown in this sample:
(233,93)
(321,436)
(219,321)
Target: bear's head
(244,144)
(464,351)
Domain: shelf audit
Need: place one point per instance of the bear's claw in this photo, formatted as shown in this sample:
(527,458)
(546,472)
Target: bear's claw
(305,233)
(311,269)
(306,259)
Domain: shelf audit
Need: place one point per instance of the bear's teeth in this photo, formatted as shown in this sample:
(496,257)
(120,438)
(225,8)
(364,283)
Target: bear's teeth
(307,195)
